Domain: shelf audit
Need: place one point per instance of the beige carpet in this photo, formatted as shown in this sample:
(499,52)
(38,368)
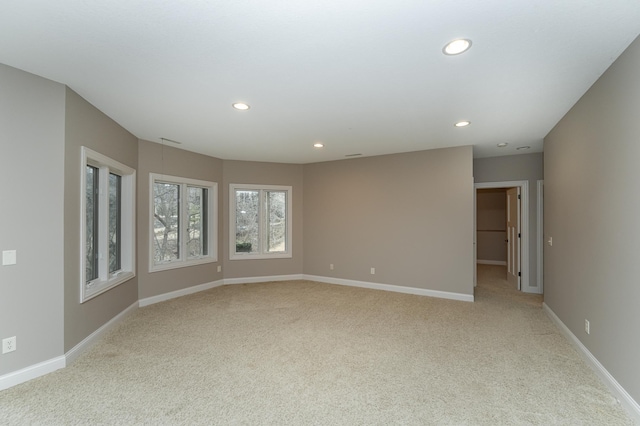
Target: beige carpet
(300,353)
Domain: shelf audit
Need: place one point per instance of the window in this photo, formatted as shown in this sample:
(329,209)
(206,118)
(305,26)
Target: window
(108,230)
(260,218)
(183,222)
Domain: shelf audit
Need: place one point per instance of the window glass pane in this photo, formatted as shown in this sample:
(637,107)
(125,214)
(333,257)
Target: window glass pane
(166,217)
(247,209)
(197,227)
(276,213)
(91,223)
(115,207)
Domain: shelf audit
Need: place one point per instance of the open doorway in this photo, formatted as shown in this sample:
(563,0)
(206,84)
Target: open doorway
(510,238)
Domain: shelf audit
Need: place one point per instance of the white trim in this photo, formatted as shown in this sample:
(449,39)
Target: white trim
(524,227)
(179,293)
(91,339)
(491,262)
(251,280)
(212,222)
(105,280)
(630,405)
(31,372)
(540,229)
(393,288)
(261,254)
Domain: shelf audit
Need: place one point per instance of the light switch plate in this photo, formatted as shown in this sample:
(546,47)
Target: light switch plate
(9,257)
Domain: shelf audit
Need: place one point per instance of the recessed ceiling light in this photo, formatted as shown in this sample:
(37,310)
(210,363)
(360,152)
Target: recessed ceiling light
(241,106)
(318,145)
(456,47)
(521,148)
(502,144)
(463,123)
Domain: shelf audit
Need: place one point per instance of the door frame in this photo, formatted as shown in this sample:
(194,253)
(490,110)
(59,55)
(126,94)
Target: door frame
(540,253)
(524,227)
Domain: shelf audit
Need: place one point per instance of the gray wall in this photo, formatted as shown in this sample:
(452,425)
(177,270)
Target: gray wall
(517,167)
(156,158)
(86,125)
(31,217)
(491,224)
(408,215)
(592,200)
(264,174)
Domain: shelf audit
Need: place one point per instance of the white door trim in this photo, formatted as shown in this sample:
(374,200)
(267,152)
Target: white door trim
(540,223)
(524,228)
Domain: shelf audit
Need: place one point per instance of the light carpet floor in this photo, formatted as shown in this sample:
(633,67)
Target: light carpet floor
(306,353)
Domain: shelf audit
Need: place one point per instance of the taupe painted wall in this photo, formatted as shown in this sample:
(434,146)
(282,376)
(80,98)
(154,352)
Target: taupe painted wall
(156,158)
(409,215)
(87,126)
(491,224)
(264,174)
(517,167)
(592,200)
(31,217)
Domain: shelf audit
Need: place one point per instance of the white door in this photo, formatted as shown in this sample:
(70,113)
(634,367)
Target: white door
(513,237)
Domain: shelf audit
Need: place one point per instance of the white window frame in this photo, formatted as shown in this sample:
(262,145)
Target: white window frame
(212,222)
(232,222)
(105,280)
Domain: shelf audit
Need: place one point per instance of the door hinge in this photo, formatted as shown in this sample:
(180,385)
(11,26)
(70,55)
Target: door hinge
(519,235)
(519,274)
(519,197)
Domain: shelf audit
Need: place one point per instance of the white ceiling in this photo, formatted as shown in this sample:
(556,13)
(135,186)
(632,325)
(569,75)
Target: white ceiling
(362,76)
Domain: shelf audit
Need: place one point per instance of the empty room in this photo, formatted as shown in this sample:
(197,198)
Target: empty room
(336,213)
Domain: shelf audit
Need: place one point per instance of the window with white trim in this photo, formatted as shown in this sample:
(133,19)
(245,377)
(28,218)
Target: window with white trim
(183,222)
(107,231)
(260,218)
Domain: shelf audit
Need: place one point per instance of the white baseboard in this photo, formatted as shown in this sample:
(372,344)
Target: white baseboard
(31,372)
(34,371)
(632,407)
(491,262)
(393,288)
(91,339)
(178,293)
(250,280)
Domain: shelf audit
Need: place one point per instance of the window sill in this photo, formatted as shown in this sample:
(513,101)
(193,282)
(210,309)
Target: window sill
(102,286)
(181,264)
(260,256)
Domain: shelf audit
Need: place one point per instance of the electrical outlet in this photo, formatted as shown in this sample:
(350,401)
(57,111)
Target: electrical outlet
(587,327)
(8,344)
(219,268)
(331,266)
(373,271)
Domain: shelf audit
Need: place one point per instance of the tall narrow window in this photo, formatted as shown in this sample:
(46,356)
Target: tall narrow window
(115,226)
(108,230)
(183,222)
(166,216)
(197,212)
(262,218)
(91,225)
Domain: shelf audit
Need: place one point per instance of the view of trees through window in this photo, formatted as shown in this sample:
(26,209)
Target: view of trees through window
(276,210)
(114,227)
(166,217)
(115,197)
(91,223)
(197,228)
(168,226)
(250,218)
